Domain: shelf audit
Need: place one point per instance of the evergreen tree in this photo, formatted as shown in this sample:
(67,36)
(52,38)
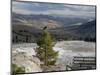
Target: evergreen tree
(45,52)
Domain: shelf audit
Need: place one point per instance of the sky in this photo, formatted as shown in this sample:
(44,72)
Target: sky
(37,8)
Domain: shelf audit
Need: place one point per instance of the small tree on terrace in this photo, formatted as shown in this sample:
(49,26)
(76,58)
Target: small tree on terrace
(45,52)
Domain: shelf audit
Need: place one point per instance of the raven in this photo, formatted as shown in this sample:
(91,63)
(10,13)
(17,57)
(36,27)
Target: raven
(45,28)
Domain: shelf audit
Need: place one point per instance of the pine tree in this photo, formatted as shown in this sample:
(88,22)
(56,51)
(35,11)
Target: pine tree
(45,52)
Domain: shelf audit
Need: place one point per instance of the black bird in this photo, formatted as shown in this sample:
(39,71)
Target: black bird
(45,28)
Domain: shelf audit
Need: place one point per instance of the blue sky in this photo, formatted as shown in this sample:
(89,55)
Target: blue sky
(36,8)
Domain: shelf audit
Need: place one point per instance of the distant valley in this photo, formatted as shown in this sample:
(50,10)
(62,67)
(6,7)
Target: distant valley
(61,28)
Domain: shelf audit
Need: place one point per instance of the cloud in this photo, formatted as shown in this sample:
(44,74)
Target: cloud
(80,7)
(53,9)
